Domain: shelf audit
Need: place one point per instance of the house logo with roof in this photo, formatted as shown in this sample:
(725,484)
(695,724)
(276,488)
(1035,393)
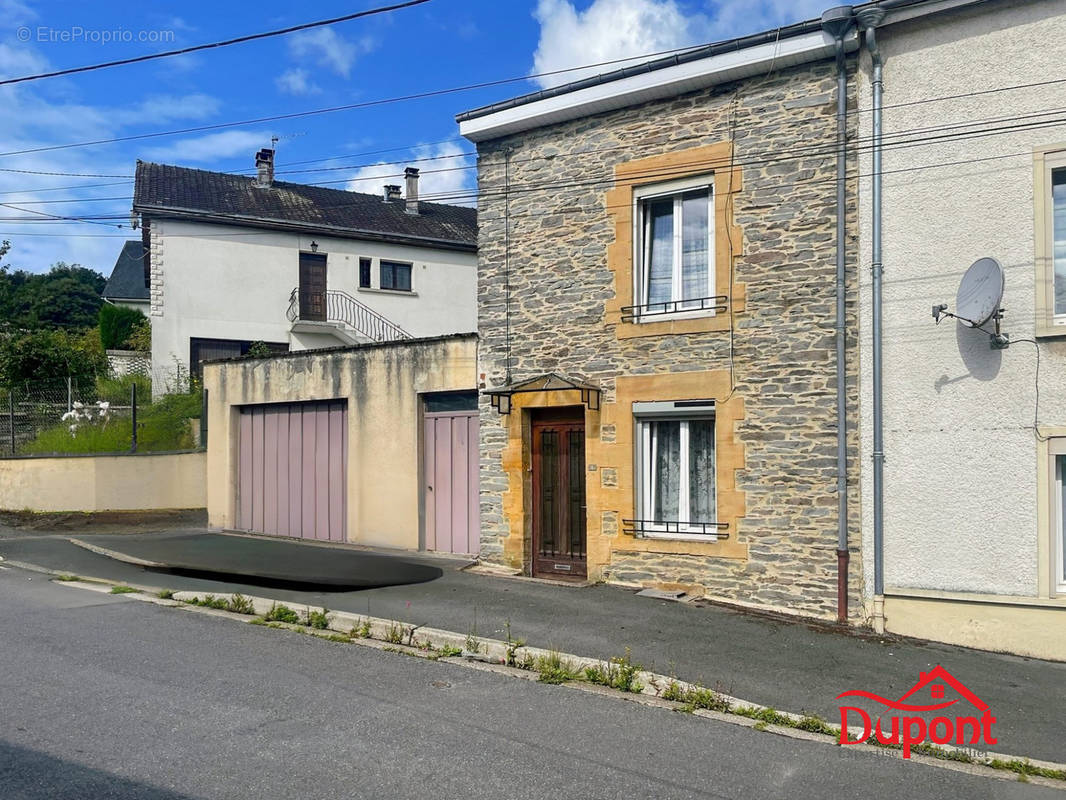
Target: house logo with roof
(918,726)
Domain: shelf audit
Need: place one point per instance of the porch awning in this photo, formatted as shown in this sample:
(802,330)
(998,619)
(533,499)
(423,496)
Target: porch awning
(500,397)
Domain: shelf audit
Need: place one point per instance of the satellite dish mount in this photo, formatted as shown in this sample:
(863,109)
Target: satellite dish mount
(979,300)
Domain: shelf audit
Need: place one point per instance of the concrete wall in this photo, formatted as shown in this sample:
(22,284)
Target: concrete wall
(769,364)
(962,460)
(221,282)
(140,482)
(382,384)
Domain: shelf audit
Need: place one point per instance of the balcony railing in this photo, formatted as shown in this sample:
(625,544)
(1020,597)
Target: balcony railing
(644,527)
(337,306)
(636,313)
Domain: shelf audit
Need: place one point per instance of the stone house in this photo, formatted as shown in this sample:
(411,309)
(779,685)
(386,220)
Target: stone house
(656,306)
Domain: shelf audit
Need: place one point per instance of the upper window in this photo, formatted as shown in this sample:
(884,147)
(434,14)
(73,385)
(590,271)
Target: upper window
(676,469)
(364,273)
(1050,195)
(395,275)
(1058,240)
(675,259)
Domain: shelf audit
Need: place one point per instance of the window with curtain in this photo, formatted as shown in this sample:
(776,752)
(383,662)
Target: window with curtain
(676,475)
(676,269)
(395,275)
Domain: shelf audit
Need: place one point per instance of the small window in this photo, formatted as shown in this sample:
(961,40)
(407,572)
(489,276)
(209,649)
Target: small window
(676,470)
(1049,193)
(675,262)
(1058,241)
(447,402)
(364,273)
(201,350)
(396,275)
(1058,514)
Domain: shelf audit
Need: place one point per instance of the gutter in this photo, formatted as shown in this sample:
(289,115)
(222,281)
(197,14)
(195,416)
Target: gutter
(298,227)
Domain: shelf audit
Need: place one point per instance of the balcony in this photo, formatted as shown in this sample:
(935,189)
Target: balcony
(342,315)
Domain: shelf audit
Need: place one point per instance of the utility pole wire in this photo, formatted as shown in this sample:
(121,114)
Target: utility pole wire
(213,45)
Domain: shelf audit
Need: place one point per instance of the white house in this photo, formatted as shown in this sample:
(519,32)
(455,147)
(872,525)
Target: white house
(974,166)
(235,260)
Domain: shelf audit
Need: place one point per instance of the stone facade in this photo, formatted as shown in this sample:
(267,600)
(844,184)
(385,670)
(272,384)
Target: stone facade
(553,228)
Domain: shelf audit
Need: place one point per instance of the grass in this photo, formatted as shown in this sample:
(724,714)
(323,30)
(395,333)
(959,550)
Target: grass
(695,697)
(449,651)
(395,633)
(239,604)
(66,577)
(619,673)
(123,590)
(553,668)
(361,631)
(319,620)
(166,594)
(279,612)
(161,425)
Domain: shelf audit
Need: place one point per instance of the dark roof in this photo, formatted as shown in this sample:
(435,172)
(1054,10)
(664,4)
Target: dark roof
(684,57)
(164,190)
(127,278)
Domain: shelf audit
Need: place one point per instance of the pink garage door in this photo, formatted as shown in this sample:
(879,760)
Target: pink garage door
(293,470)
(450,448)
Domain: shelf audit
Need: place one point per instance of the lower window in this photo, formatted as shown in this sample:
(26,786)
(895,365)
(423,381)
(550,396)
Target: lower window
(201,350)
(676,472)
(1059,515)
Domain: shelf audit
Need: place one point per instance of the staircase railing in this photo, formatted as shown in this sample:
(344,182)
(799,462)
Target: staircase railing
(342,307)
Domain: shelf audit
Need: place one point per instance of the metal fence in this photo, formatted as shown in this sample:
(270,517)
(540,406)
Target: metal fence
(71,416)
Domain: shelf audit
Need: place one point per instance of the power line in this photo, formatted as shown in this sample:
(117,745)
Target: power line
(214,45)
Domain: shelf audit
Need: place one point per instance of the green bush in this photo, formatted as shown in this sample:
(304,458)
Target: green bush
(117,390)
(117,325)
(50,354)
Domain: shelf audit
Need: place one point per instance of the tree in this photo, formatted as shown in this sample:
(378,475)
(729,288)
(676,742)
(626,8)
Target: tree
(118,324)
(67,296)
(49,354)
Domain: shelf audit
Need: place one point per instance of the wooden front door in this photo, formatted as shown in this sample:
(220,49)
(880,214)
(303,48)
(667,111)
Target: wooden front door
(313,287)
(559,495)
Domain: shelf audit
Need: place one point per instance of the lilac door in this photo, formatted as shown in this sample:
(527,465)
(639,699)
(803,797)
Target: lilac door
(450,479)
(293,470)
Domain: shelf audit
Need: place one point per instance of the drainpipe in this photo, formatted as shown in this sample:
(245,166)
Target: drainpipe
(869,18)
(837,22)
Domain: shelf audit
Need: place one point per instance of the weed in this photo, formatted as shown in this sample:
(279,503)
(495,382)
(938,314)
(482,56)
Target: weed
(122,590)
(695,697)
(66,577)
(362,631)
(618,673)
(553,668)
(815,724)
(166,594)
(257,621)
(449,651)
(336,637)
(767,715)
(473,645)
(760,726)
(425,645)
(513,646)
(239,604)
(282,613)
(1024,768)
(395,633)
(319,620)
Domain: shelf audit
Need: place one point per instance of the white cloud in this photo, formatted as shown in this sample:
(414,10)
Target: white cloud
(15,12)
(739,17)
(167,108)
(296,81)
(18,60)
(443,180)
(607,30)
(211,147)
(329,49)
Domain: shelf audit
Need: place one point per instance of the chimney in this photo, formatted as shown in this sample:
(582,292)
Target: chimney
(264,162)
(392,192)
(411,176)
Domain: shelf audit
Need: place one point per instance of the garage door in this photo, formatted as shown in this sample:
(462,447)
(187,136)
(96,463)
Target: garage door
(450,477)
(292,473)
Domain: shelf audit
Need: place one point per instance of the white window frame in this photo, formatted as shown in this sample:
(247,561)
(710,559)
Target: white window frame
(658,191)
(683,412)
(1058,530)
(1048,160)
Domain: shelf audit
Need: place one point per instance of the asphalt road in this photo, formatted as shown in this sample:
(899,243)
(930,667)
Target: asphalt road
(109,697)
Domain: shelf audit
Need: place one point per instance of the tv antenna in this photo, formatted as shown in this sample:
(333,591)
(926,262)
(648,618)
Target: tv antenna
(979,300)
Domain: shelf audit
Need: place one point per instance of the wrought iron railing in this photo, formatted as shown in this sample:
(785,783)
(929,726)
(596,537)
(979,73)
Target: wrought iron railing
(642,527)
(337,306)
(716,303)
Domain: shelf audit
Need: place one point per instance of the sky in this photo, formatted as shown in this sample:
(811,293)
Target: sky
(438,45)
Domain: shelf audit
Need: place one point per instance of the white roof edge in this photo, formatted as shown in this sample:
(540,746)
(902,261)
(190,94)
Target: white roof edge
(661,83)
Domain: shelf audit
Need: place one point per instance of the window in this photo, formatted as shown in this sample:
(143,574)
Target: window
(1050,239)
(675,272)
(676,466)
(1059,526)
(364,273)
(207,349)
(396,275)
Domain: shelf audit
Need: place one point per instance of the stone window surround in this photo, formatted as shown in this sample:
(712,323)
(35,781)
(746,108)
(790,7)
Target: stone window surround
(1045,159)
(610,489)
(715,159)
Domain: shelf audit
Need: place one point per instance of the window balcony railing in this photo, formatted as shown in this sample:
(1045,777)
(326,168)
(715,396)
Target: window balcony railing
(337,306)
(666,527)
(694,304)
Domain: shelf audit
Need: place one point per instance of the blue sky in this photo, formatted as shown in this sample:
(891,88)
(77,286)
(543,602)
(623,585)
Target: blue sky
(441,44)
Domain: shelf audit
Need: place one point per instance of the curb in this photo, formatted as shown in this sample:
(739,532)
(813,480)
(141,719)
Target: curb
(495,655)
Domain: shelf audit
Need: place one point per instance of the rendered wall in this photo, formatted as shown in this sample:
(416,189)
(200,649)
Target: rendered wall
(382,384)
(961,468)
(220,282)
(141,482)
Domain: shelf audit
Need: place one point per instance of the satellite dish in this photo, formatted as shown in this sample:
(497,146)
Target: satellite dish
(980,293)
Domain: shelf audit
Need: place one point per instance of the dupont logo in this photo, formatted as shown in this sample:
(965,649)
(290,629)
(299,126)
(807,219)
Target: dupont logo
(912,729)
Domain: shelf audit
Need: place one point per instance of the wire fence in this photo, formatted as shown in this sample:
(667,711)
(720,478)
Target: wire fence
(69,416)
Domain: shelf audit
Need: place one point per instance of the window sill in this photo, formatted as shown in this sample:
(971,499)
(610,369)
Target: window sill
(396,292)
(1050,330)
(679,536)
(699,322)
(647,319)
